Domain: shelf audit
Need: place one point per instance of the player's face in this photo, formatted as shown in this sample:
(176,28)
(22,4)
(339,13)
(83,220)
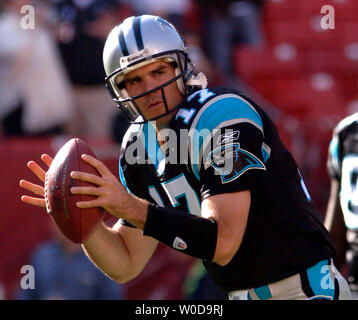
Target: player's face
(148,77)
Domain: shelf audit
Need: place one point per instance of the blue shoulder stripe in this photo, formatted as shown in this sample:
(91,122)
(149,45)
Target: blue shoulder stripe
(155,153)
(219,112)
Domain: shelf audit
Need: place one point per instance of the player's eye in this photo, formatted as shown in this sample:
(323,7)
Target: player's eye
(160,71)
(133,81)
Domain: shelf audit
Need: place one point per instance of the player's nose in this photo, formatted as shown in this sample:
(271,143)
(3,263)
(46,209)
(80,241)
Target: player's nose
(150,84)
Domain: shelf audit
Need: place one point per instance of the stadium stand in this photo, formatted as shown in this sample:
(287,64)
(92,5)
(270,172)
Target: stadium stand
(309,73)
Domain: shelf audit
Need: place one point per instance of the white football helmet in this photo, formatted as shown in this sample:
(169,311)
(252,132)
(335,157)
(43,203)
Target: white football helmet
(139,41)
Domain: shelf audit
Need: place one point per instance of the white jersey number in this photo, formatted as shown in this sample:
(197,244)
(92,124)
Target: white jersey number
(176,189)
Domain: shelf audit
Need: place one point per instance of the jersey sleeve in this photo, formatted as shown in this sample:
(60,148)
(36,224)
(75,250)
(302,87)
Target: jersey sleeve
(227,146)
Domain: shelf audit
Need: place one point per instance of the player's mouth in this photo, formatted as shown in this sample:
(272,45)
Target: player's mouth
(155,104)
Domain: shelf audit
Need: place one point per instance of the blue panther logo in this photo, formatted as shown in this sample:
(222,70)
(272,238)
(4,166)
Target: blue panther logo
(230,161)
(163,23)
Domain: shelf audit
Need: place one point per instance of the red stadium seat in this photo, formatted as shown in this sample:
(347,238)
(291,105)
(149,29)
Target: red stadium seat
(280,59)
(350,88)
(342,62)
(288,10)
(352,106)
(349,32)
(305,34)
(308,97)
(316,101)
(23,226)
(280,10)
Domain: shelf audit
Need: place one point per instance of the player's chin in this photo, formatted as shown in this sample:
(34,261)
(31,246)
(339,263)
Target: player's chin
(155,112)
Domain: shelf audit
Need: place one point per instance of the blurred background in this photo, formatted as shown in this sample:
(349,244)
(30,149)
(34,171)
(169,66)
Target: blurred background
(52,89)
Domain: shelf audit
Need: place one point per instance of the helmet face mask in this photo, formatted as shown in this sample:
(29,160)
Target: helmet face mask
(128,104)
(158,40)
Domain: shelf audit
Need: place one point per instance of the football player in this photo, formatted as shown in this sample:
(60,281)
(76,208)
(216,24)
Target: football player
(202,170)
(342,212)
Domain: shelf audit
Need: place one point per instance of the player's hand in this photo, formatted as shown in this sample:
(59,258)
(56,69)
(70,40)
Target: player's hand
(36,188)
(109,191)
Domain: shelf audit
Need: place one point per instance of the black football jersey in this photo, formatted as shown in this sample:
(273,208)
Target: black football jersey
(222,142)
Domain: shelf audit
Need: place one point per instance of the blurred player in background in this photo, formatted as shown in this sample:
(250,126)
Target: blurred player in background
(204,172)
(26,109)
(342,211)
(63,272)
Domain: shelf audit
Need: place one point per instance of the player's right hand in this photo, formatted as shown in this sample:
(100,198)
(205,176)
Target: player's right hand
(36,188)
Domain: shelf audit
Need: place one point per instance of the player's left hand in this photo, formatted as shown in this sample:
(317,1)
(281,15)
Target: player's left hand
(110,193)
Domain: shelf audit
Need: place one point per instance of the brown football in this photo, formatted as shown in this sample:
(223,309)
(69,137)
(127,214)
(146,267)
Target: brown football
(75,223)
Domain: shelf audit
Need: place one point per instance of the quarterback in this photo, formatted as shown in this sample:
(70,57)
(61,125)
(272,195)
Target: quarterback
(237,201)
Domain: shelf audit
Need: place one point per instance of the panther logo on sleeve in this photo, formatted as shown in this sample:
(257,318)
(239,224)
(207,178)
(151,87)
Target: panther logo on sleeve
(230,161)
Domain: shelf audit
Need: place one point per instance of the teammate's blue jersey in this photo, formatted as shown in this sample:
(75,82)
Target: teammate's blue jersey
(226,143)
(342,165)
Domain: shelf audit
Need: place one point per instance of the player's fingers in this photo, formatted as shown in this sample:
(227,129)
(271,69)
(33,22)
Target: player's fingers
(93,191)
(89,204)
(87,177)
(35,188)
(99,165)
(39,202)
(37,170)
(47,159)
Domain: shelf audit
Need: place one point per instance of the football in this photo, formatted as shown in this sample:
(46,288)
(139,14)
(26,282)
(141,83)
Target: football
(75,223)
